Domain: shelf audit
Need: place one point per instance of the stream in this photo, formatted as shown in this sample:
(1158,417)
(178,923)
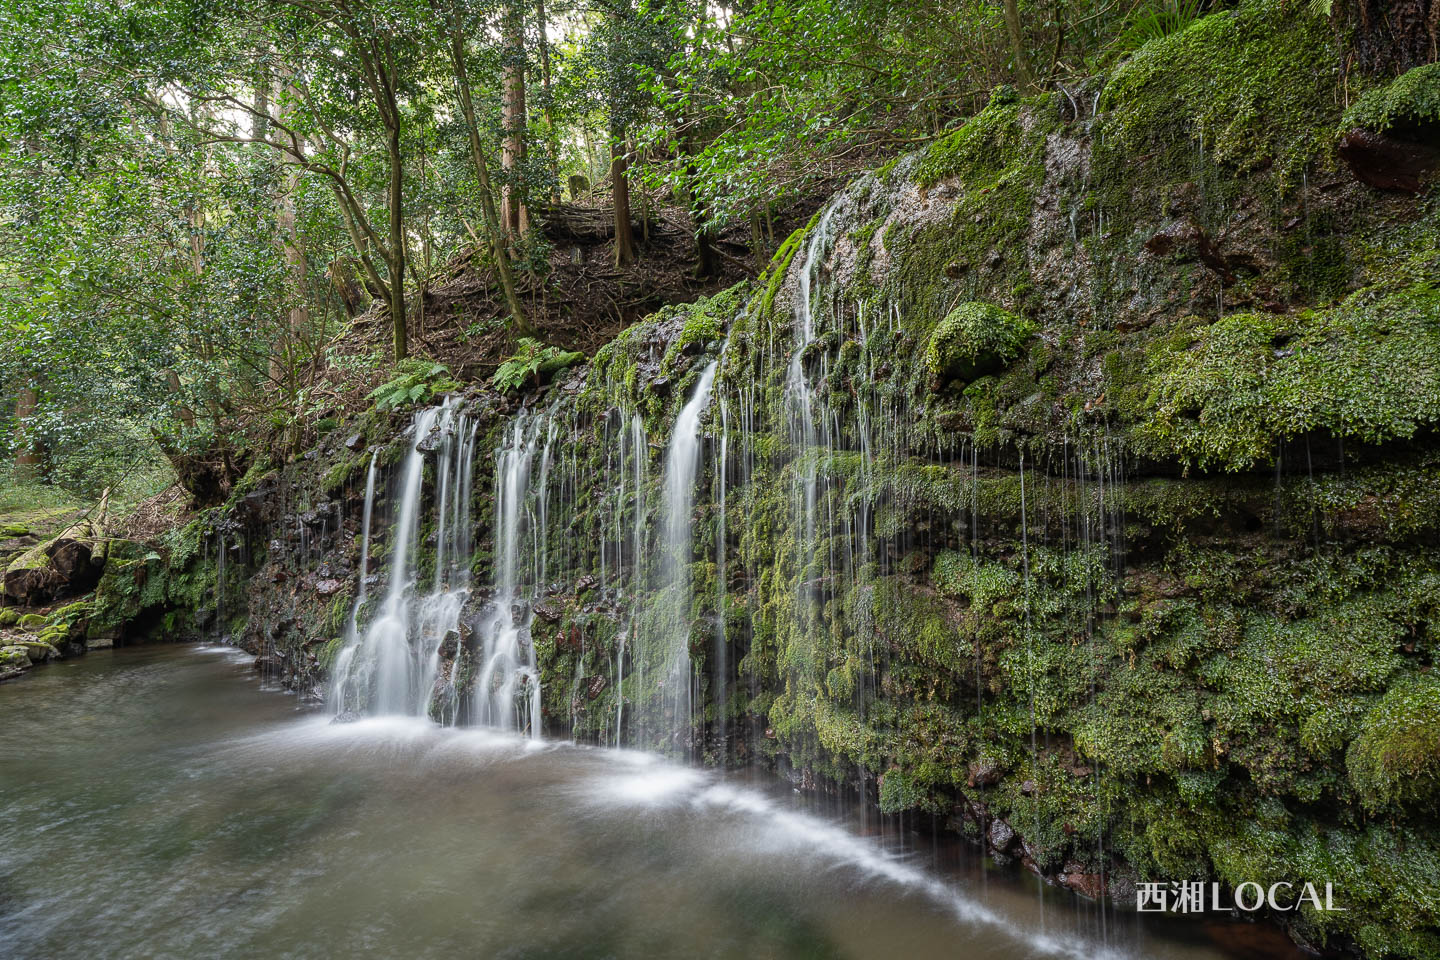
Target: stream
(159,802)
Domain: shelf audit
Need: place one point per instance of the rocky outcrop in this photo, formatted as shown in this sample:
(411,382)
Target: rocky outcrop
(67,565)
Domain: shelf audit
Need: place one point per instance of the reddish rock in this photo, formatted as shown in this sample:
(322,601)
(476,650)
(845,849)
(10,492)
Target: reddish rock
(1086,884)
(1387,163)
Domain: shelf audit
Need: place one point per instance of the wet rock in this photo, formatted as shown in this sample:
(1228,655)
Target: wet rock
(984,774)
(329,587)
(431,441)
(1184,241)
(1075,877)
(1001,836)
(1028,788)
(547,613)
(355,442)
(349,716)
(1388,163)
(14,660)
(450,645)
(586,582)
(595,686)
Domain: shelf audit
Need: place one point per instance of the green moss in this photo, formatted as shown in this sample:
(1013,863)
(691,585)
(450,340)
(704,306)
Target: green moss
(1225,394)
(975,339)
(1409,104)
(1249,88)
(9,616)
(978,151)
(31,621)
(14,530)
(1396,758)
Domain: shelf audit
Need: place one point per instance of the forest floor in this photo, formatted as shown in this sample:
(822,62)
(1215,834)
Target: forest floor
(575,296)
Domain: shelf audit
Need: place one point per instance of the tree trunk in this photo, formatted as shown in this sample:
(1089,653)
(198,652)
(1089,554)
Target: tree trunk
(182,410)
(1017,42)
(27,459)
(498,247)
(513,214)
(552,136)
(292,245)
(620,189)
(395,259)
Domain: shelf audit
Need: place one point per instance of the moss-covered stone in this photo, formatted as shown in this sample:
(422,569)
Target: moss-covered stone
(1396,757)
(975,339)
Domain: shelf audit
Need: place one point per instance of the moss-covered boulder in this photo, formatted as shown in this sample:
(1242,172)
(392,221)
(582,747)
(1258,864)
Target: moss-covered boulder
(14,660)
(31,621)
(1396,758)
(975,339)
(9,616)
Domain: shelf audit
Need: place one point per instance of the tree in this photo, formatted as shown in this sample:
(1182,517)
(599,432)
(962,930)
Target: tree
(351,69)
(495,229)
(514,215)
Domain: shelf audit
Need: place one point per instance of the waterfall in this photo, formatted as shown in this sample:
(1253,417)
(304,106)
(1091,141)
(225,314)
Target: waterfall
(720,673)
(635,496)
(342,697)
(392,666)
(507,691)
(681,463)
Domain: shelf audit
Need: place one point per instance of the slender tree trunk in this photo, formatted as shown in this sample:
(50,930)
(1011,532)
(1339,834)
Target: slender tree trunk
(27,457)
(292,246)
(512,207)
(620,190)
(499,249)
(182,410)
(1017,41)
(552,136)
(395,260)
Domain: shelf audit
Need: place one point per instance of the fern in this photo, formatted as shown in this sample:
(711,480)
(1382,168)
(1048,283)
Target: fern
(1157,19)
(417,381)
(529,362)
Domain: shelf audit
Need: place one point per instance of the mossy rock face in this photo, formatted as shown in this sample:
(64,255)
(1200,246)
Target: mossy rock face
(9,616)
(974,340)
(1396,758)
(32,621)
(8,530)
(1409,107)
(1226,394)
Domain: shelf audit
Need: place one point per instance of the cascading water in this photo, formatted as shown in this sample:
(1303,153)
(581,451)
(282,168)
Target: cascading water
(393,665)
(673,622)
(507,689)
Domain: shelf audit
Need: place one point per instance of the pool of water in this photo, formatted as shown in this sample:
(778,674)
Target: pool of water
(157,802)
